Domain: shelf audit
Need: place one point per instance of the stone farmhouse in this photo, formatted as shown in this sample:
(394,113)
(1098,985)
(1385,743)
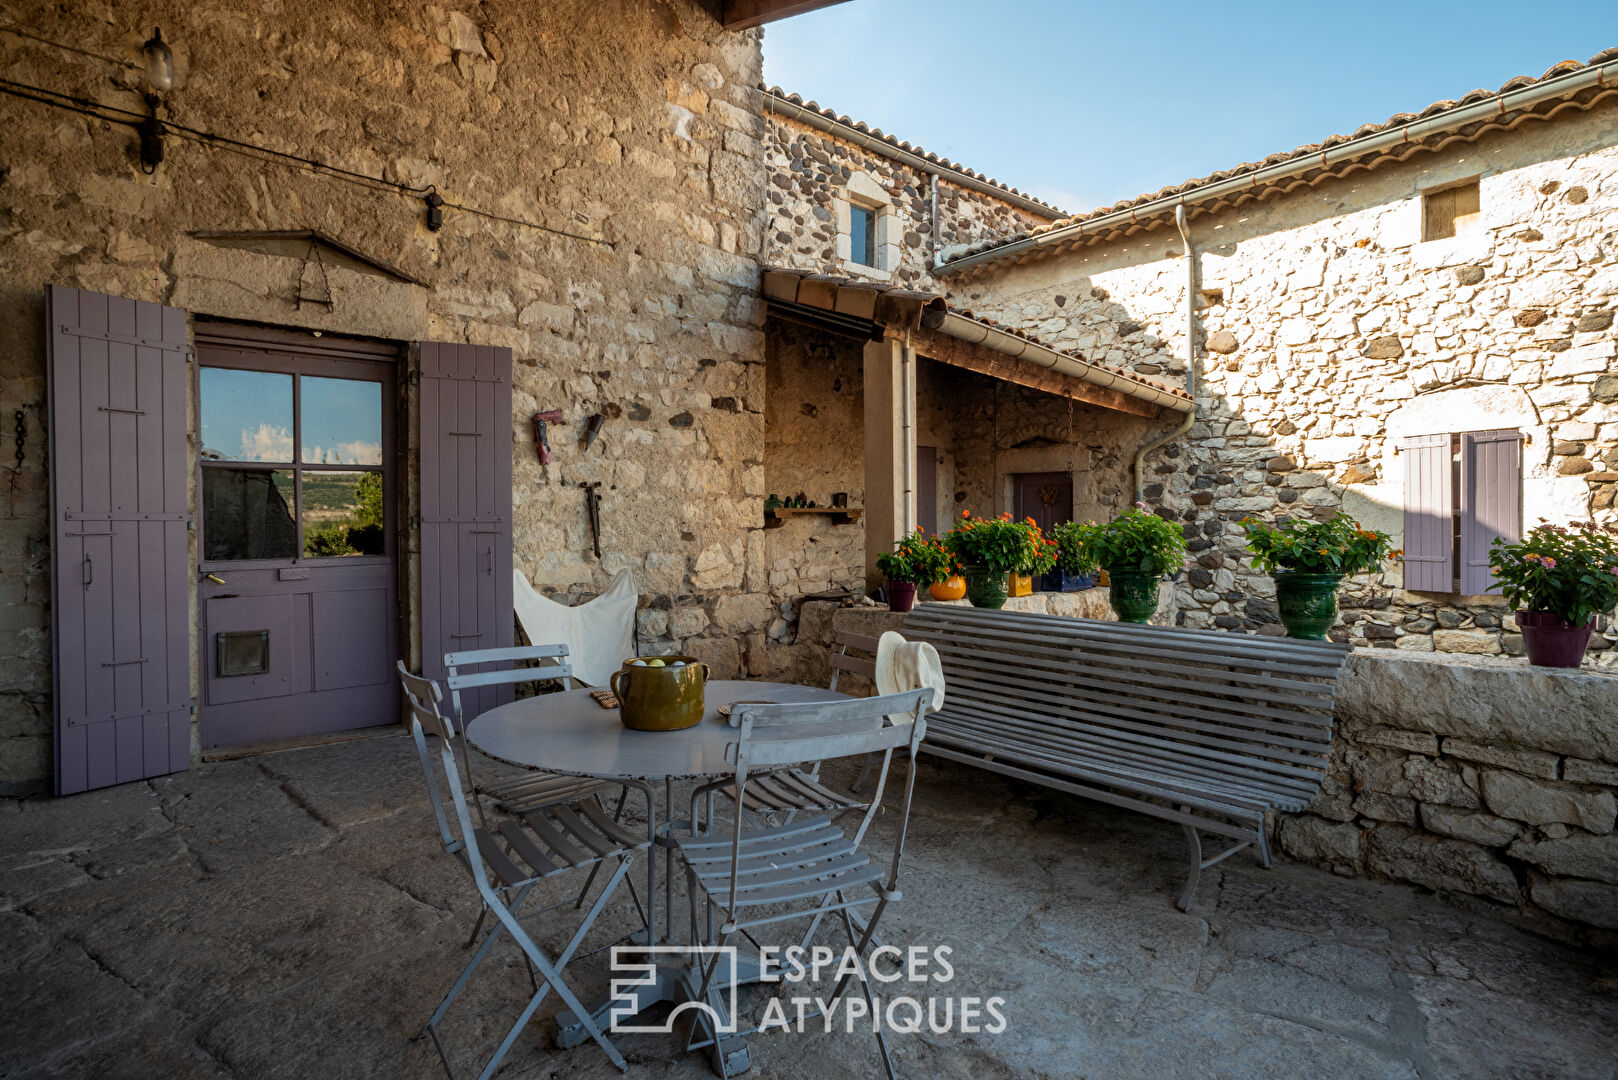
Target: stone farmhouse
(282,323)
(1443,273)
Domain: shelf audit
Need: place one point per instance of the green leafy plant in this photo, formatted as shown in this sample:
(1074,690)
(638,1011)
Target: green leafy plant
(917,558)
(1000,545)
(1570,572)
(1336,546)
(1134,540)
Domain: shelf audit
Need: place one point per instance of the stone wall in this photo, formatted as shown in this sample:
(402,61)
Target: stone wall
(1329,330)
(812,175)
(635,123)
(1458,774)
(815,445)
(987,430)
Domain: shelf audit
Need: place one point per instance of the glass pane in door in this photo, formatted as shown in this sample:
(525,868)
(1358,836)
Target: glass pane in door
(342,513)
(246,415)
(341,422)
(247,514)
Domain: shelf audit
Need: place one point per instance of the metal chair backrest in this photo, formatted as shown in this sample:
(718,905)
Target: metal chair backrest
(771,736)
(841,661)
(422,697)
(554,665)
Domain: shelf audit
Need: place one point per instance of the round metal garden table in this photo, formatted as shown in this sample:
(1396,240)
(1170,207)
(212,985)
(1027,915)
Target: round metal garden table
(570,733)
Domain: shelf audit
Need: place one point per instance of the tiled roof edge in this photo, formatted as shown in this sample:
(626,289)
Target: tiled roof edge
(989,248)
(941,163)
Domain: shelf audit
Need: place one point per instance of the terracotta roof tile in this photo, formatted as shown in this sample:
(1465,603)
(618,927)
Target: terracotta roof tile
(856,283)
(877,133)
(1396,120)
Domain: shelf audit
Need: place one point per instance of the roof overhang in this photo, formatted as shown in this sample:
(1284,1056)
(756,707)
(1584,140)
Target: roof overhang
(873,311)
(746,14)
(1523,100)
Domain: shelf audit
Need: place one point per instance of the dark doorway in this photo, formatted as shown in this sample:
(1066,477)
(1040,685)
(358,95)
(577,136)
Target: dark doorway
(927,488)
(298,618)
(1047,497)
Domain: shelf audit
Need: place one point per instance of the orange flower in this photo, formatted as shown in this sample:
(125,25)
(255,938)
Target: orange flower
(966,513)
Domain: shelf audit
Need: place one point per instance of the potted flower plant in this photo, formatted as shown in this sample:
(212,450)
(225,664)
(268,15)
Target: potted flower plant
(989,550)
(1136,549)
(915,560)
(1559,579)
(1308,561)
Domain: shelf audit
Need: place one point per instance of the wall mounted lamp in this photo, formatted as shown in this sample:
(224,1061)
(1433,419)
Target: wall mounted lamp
(159,79)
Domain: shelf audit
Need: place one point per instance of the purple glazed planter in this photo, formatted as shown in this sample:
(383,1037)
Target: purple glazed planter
(901,595)
(1551,641)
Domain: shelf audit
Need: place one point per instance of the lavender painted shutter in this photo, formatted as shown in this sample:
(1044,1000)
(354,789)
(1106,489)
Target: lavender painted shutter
(1491,502)
(119,560)
(466,435)
(1429,514)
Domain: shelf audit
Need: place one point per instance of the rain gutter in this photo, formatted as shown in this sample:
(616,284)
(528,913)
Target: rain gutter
(1190,357)
(783,107)
(1601,75)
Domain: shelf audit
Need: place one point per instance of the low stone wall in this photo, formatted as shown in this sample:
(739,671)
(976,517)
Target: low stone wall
(1473,775)
(1479,776)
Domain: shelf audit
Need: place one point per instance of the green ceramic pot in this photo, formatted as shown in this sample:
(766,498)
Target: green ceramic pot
(1133,594)
(661,698)
(985,588)
(1308,603)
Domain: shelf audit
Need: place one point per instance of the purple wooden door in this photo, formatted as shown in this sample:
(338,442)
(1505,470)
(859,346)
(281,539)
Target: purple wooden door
(466,438)
(1491,502)
(120,613)
(1045,497)
(298,620)
(1429,519)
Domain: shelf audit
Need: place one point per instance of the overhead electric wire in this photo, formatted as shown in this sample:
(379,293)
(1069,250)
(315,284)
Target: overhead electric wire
(99,110)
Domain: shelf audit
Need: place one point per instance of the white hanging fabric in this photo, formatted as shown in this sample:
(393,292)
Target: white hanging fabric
(599,634)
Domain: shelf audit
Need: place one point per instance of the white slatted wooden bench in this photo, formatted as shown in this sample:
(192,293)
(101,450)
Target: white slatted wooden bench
(1201,727)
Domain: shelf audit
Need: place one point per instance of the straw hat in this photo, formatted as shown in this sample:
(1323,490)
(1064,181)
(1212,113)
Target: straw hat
(905,665)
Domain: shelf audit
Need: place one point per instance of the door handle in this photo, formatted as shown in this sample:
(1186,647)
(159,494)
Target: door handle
(89,571)
(215,578)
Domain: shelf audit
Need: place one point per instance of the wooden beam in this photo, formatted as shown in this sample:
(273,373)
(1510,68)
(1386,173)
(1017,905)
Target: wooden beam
(746,14)
(936,345)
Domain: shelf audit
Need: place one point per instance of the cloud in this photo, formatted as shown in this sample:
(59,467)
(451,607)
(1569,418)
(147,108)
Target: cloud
(357,452)
(268,443)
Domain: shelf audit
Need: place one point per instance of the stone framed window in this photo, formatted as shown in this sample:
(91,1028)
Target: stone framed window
(867,228)
(1452,211)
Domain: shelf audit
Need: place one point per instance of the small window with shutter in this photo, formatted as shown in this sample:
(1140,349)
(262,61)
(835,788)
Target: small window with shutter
(1462,491)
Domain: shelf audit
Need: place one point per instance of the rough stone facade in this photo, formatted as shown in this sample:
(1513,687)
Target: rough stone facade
(812,177)
(1328,329)
(1451,772)
(814,445)
(635,123)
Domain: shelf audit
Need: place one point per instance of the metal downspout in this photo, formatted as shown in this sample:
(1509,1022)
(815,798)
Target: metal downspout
(907,435)
(1190,356)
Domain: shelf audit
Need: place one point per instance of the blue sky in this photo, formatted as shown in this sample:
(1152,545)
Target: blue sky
(1084,104)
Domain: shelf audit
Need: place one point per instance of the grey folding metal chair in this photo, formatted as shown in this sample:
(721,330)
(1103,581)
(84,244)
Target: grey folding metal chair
(809,868)
(544,844)
(538,789)
(779,796)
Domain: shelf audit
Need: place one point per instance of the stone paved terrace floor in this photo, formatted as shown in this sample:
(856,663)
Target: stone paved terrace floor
(289,915)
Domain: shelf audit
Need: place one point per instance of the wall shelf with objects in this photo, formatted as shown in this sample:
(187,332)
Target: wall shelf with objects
(840,515)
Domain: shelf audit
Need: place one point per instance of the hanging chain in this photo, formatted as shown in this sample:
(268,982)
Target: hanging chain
(22,436)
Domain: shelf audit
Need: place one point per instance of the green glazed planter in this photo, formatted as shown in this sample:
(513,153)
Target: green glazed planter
(1308,603)
(985,588)
(1133,594)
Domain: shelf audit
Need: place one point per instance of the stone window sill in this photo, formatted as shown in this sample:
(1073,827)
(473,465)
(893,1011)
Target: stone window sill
(860,270)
